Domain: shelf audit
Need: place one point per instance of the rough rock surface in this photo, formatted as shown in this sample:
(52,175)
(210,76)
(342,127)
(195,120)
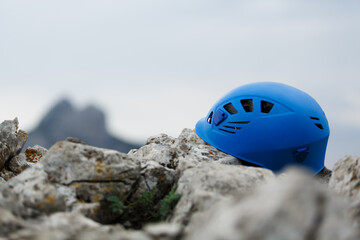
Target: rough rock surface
(74,191)
(293,207)
(31,156)
(37,194)
(345,178)
(203,186)
(12,140)
(169,151)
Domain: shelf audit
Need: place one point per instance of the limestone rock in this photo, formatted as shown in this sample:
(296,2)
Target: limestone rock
(37,193)
(12,140)
(68,163)
(6,174)
(10,223)
(92,173)
(156,176)
(31,156)
(11,201)
(168,151)
(292,207)
(73,226)
(203,186)
(163,231)
(345,178)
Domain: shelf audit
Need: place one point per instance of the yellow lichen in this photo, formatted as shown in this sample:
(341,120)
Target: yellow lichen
(50,199)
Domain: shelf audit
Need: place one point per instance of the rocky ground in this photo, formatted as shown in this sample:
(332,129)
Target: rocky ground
(171,188)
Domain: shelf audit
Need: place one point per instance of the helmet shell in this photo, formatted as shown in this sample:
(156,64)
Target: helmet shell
(272,125)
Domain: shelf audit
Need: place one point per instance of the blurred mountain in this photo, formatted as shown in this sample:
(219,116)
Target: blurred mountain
(88,125)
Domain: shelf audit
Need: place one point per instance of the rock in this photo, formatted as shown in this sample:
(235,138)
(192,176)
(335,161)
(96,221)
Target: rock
(155,179)
(345,178)
(113,235)
(208,183)
(11,201)
(6,174)
(12,140)
(38,195)
(292,207)
(73,226)
(92,173)
(324,175)
(156,176)
(163,231)
(69,163)
(10,223)
(167,151)
(73,191)
(31,156)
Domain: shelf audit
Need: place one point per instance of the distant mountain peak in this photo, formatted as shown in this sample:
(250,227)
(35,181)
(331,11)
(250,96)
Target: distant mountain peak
(87,124)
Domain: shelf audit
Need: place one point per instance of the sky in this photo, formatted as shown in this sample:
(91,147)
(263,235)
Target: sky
(158,66)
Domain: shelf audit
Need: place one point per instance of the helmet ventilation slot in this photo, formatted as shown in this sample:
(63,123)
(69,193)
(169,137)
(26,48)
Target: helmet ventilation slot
(230,108)
(226,131)
(210,118)
(266,106)
(247,105)
(235,128)
(243,122)
(319,125)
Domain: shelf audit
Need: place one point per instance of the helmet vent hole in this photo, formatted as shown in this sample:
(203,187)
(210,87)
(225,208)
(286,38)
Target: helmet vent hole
(235,128)
(226,131)
(243,122)
(319,125)
(315,118)
(266,106)
(247,105)
(230,108)
(210,118)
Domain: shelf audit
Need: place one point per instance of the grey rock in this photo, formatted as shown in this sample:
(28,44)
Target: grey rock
(38,195)
(209,183)
(6,174)
(73,226)
(11,201)
(68,163)
(324,175)
(291,207)
(92,174)
(18,164)
(12,140)
(156,176)
(168,151)
(31,156)
(113,235)
(345,178)
(10,223)
(163,231)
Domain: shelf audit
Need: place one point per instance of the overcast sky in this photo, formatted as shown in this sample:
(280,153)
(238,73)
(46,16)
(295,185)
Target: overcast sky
(158,66)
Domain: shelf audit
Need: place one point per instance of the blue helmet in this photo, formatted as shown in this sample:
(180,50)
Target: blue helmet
(269,124)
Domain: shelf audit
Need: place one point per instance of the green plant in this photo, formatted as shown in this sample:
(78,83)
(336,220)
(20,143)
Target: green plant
(116,205)
(146,200)
(168,203)
(146,205)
